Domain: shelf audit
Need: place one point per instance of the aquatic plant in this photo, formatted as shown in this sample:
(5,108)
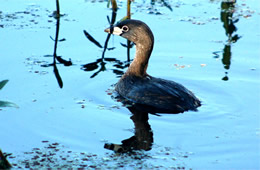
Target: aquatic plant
(4,164)
(6,103)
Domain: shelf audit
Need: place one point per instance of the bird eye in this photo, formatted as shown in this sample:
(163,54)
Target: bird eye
(125,28)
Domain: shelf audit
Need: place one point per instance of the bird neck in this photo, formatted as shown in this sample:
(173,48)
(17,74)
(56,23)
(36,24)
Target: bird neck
(143,52)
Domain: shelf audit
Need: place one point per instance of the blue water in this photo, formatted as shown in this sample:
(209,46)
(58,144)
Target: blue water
(82,117)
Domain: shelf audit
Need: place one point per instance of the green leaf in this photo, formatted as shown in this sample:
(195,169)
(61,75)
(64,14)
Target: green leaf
(8,104)
(3,83)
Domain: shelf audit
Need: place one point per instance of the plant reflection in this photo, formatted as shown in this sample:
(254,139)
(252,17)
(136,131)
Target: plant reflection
(100,63)
(162,3)
(57,15)
(227,11)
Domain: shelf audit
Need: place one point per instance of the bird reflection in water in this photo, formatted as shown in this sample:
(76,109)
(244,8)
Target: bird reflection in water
(143,137)
(227,11)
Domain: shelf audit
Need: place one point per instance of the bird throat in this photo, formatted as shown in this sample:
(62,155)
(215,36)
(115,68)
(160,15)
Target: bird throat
(140,63)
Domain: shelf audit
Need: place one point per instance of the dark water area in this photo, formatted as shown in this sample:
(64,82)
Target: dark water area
(211,47)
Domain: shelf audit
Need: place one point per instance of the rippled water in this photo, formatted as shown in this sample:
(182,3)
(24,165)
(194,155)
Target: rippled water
(71,125)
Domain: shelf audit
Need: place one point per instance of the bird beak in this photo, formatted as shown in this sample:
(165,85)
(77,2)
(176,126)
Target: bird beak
(114,30)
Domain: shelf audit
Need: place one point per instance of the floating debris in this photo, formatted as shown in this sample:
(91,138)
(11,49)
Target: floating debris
(81,101)
(179,66)
(56,155)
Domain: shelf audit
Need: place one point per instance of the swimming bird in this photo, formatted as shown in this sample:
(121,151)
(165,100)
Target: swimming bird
(138,87)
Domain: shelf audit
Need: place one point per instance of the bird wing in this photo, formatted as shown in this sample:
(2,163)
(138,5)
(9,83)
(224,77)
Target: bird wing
(161,94)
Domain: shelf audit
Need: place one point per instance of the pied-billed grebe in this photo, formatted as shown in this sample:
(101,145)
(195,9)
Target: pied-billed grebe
(137,86)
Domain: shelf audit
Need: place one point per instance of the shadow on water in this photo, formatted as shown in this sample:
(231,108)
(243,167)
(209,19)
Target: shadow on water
(227,11)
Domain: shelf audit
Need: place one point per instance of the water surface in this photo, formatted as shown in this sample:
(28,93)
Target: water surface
(72,124)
